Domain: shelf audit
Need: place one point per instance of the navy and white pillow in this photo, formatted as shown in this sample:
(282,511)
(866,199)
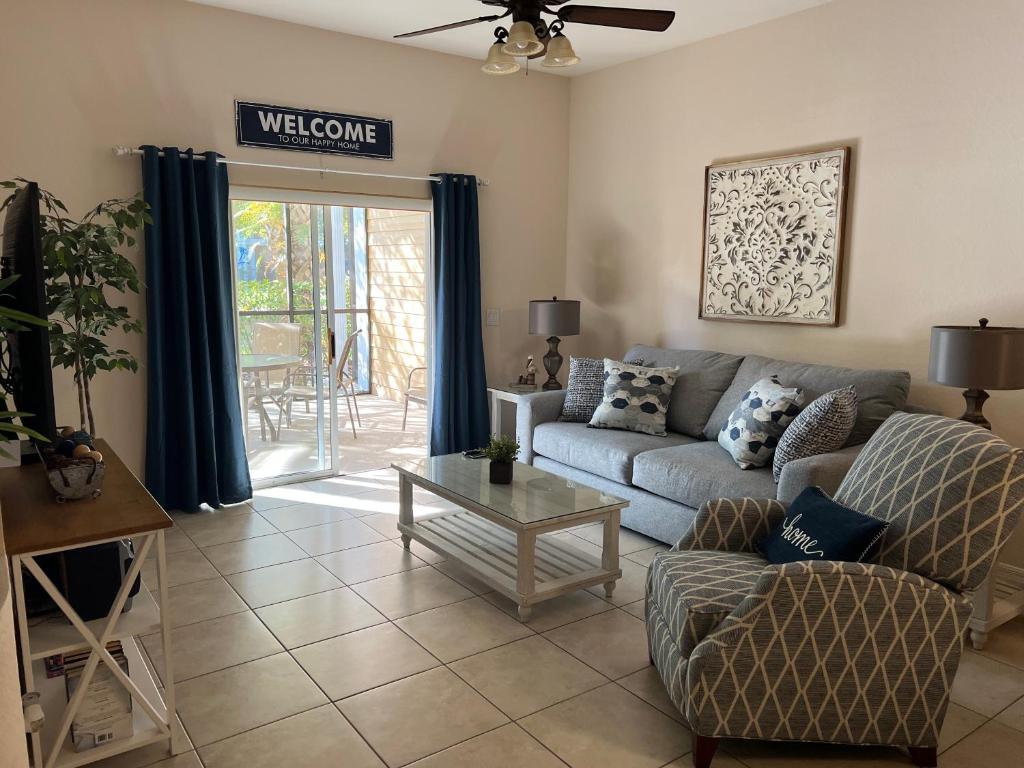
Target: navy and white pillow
(635,398)
(822,427)
(584,390)
(819,528)
(753,429)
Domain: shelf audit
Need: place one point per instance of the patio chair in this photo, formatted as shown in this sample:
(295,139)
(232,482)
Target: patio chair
(300,386)
(413,394)
(346,382)
(827,651)
(274,339)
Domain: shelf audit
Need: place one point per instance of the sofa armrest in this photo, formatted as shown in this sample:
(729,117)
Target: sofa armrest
(825,470)
(849,653)
(531,410)
(732,525)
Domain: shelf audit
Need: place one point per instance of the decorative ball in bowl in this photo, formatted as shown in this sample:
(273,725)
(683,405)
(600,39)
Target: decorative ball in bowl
(73,465)
(502,452)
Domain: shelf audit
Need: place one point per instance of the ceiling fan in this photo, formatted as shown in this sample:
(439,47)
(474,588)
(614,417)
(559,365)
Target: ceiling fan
(530,36)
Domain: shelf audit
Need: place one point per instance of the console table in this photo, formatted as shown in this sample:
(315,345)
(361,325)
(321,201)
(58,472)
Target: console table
(35,524)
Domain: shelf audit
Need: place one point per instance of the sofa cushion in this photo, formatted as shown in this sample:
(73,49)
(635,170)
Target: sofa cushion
(880,393)
(584,390)
(693,474)
(696,589)
(702,379)
(823,426)
(604,452)
(635,398)
(754,427)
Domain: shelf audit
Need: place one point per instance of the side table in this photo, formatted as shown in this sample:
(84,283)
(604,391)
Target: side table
(35,524)
(501,397)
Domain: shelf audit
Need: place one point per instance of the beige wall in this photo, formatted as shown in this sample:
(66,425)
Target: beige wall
(928,92)
(397,244)
(78,76)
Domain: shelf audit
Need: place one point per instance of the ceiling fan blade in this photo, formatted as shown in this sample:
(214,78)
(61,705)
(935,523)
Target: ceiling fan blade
(627,18)
(453,25)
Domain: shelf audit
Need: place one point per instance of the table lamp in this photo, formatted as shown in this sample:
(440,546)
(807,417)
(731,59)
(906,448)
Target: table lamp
(977,357)
(554,318)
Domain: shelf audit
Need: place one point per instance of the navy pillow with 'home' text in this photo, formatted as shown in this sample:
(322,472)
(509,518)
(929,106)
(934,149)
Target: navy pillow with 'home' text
(818,528)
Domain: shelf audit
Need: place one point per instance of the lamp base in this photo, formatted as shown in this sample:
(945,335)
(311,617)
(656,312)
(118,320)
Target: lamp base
(552,362)
(975,399)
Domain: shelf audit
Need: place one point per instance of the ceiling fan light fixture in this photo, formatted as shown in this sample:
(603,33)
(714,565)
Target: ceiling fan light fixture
(560,52)
(522,40)
(498,62)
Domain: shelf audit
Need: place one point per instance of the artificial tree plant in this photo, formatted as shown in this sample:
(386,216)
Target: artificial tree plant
(84,266)
(11,321)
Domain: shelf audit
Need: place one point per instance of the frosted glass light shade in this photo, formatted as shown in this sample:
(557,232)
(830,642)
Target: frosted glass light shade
(560,53)
(522,40)
(499,63)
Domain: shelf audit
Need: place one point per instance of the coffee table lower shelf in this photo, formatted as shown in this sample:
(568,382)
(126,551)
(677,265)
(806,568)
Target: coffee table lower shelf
(527,569)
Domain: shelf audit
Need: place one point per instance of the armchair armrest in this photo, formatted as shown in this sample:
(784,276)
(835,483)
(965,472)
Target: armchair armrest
(732,525)
(826,471)
(531,410)
(831,651)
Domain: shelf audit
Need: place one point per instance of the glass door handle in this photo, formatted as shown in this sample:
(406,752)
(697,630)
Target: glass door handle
(330,336)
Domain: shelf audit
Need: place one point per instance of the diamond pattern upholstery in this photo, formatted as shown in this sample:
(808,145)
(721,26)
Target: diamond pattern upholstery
(733,525)
(952,493)
(835,652)
(850,653)
(696,590)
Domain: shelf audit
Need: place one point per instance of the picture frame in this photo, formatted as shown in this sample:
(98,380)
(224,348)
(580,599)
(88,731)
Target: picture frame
(773,241)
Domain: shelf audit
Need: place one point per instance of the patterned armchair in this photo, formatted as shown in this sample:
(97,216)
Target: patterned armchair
(838,652)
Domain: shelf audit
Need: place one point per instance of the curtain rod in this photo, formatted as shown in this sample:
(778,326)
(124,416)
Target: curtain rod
(123,151)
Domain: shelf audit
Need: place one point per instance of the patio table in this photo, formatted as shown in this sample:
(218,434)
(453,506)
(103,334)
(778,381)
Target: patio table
(259,365)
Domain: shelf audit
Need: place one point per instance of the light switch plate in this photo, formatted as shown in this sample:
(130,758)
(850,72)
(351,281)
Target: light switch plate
(494,317)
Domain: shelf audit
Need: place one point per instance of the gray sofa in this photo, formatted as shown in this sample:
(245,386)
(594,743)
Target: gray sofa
(666,479)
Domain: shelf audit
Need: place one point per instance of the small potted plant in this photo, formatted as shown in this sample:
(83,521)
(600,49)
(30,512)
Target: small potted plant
(502,452)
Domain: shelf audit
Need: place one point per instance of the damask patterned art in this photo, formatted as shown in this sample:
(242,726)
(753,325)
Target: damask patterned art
(773,239)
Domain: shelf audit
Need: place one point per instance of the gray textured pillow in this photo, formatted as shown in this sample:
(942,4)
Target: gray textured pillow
(584,390)
(635,398)
(753,429)
(822,427)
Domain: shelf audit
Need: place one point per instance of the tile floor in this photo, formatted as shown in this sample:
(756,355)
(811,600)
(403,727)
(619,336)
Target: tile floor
(379,438)
(306,636)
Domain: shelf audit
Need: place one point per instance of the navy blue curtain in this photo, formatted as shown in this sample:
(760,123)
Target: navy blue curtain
(459,385)
(195,448)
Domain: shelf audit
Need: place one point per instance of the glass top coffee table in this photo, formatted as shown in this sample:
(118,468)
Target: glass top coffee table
(495,533)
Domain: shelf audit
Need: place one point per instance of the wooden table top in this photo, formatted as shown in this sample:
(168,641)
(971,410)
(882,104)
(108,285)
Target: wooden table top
(33,521)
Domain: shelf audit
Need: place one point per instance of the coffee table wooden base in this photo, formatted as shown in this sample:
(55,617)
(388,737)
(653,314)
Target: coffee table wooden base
(521,564)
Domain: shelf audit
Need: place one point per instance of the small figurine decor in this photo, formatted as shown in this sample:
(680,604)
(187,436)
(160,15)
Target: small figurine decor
(75,468)
(502,452)
(527,382)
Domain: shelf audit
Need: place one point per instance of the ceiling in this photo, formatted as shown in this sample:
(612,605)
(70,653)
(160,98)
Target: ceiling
(597,47)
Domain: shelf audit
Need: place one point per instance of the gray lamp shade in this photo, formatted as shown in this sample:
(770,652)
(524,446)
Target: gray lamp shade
(977,356)
(554,317)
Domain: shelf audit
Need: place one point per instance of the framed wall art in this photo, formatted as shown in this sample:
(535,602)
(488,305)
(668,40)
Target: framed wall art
(773,238)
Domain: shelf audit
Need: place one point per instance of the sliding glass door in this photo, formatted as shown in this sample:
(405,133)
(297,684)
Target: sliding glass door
(285,302)
(332,329)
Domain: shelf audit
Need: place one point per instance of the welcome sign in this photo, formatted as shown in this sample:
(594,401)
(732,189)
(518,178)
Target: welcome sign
(308,130)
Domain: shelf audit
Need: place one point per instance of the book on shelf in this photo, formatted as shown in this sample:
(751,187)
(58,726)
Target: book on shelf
(105,714)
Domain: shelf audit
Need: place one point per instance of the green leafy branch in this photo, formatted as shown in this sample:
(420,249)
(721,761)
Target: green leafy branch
(84,265)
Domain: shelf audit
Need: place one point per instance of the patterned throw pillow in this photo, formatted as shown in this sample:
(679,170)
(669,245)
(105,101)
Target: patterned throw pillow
(584,390)
(635,398)
(755,426)
(822,427)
